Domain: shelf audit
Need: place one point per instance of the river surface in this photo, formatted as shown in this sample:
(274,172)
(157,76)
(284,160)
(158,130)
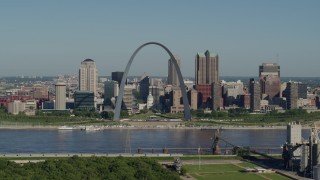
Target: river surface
(129,141)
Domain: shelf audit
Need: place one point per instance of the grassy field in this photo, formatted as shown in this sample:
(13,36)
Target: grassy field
(228,171)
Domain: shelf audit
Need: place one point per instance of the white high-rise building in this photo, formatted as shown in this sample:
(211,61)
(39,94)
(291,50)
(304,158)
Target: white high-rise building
(60,103)
(88,76)
(149,101)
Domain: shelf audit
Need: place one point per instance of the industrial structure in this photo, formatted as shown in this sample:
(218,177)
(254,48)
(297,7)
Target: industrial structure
(302,155)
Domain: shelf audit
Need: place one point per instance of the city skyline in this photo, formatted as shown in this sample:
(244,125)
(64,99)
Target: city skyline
(51,38)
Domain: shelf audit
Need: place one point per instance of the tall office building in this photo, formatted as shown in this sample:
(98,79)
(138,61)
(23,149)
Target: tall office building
(206,68)
(110,91)
(206,73)
(60,103)
(172,73)
(144,87)
(88,76)
(292,95)
(117,76)
(269,74)
(255,97)
(302,90)
(269,69)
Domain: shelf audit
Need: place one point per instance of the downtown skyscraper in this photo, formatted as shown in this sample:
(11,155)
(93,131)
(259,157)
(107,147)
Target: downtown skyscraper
(269,75)
(88,76)
(172,73)
(207,80)
(206,68)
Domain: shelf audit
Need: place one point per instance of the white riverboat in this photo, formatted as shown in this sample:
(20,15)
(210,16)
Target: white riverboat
(91,128)
(65,128)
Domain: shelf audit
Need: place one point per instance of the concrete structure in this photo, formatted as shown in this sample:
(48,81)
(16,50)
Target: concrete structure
(255,95)
(294,136)
(172,73)
(187,113)
(60,103)
(16,107)
(27,107)
(88,76)
(127,100)
(206,68)
(84,100)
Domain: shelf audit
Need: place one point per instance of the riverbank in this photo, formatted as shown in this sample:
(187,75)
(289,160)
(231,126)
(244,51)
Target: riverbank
(167,125)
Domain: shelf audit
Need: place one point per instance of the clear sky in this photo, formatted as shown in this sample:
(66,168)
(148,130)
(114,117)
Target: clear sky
(42,37)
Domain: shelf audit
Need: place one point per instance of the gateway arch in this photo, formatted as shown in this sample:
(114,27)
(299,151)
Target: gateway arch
(187,114)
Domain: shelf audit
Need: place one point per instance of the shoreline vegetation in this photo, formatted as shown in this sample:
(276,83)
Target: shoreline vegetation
(233,119)
(154,126)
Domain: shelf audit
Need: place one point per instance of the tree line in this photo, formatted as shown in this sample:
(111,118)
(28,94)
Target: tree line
(88,168)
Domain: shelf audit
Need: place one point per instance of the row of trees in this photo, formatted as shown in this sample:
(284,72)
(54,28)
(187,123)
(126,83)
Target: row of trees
(88,168)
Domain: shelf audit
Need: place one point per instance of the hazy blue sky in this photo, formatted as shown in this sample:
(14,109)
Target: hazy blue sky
(42,37)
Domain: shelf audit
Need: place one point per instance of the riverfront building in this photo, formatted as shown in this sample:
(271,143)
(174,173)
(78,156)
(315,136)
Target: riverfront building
(88,76)
(84,100)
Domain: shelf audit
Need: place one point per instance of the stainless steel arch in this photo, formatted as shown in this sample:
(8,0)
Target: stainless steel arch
(187,114)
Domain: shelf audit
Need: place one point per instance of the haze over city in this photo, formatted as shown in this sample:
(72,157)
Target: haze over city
(52,38)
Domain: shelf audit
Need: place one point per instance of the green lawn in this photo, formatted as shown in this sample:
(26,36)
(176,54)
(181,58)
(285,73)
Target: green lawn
(227,171)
